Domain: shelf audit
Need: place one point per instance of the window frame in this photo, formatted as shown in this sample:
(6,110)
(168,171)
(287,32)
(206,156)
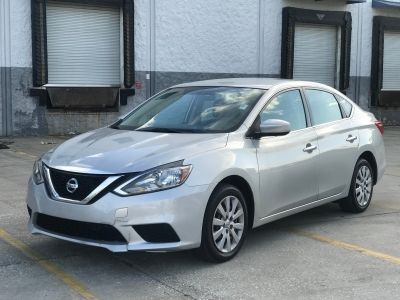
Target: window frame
(39,52)
(345,116)
(310,111)
(291,16)
(379,97)
(305,107)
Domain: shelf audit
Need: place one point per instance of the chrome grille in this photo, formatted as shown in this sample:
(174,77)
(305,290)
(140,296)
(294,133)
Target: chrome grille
(75,187)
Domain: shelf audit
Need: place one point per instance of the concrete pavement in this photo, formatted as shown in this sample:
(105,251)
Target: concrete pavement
(300,257)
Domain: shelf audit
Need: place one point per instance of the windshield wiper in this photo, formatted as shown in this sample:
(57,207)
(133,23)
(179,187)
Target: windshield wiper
(160,129)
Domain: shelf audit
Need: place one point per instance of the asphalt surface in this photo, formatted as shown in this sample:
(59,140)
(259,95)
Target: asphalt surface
(319,254)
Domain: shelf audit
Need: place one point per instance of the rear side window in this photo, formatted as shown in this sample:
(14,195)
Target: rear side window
(347,107)
(324,107)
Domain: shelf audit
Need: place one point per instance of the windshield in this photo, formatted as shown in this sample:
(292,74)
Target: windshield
(194,109)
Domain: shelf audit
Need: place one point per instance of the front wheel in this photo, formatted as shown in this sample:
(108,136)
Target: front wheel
(225,224)
(361,189)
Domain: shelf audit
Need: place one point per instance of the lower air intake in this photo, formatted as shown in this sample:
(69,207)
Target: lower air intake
(157,233)
(78,229)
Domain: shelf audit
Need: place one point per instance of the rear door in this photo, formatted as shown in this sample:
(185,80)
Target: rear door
(287,164)
(337,142)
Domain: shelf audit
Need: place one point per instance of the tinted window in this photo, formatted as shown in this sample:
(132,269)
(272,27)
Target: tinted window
(324,107)
(347,107)
(194,109)
(287,106)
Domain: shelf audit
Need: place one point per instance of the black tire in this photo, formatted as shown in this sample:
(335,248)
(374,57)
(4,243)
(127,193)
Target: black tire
(350,203)
(208,249)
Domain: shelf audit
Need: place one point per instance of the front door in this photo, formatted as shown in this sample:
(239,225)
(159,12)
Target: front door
(287,168)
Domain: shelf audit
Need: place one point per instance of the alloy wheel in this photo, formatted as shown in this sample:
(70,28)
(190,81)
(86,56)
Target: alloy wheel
(228,224)
(363,186)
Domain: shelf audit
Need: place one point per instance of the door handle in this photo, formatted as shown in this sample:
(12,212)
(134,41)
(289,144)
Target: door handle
(310,148)
(351,138)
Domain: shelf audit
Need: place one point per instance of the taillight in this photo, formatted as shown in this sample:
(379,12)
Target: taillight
(379,125)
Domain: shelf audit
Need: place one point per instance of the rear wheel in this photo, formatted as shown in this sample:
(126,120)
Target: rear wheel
(361,189)
(225,224)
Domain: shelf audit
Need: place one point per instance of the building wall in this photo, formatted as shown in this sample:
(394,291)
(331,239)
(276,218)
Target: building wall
(362,76)
(178,41)
(24,116)
(5,63)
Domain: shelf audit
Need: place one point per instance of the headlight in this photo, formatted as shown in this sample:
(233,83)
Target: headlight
(37,174)
(164,177)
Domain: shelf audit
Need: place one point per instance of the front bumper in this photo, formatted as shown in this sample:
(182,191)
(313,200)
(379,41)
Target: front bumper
(182,208)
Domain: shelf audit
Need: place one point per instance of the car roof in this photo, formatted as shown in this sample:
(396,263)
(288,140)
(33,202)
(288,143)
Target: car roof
(260,83)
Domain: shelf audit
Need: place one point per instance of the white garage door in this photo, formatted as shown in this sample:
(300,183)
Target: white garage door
(391,61)
(315,53)
(83,44)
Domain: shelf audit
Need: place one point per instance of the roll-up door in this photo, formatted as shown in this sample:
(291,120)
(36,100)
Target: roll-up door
(391,61)
(83,44)
(315,53)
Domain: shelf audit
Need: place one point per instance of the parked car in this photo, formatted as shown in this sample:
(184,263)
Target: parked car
(199,164)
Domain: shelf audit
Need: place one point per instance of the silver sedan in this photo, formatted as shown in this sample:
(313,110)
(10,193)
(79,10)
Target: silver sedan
(199,164)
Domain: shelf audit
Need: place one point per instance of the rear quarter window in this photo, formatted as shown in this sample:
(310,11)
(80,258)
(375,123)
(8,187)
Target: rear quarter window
(346,106)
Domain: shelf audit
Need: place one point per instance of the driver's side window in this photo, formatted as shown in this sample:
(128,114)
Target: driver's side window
(287,106)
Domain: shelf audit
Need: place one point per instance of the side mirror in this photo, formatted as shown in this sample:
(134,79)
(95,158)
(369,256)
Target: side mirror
(271,127)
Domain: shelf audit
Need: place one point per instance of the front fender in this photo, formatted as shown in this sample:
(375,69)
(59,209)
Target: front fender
(213,167)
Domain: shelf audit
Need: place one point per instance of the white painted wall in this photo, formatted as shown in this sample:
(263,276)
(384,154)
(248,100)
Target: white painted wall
(21,54)
(241,36)
(142,34)
(232,36)
(206,36)
(15,33)
(5,34)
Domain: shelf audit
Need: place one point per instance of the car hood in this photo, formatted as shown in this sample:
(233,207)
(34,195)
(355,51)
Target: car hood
(112,151)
